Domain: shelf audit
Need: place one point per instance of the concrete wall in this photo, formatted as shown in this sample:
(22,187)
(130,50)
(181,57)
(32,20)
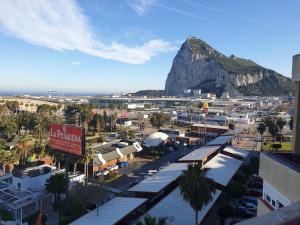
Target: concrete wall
(281,177)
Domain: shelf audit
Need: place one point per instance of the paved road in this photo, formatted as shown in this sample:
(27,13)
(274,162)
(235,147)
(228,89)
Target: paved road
(125,182)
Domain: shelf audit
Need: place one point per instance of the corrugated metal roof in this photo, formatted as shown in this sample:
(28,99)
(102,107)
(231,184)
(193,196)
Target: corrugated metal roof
(200,153)
(236,151)
(161,179)
(128,150)
(221,140)
(179,211)
(222,168)
(111,212)
(110,155)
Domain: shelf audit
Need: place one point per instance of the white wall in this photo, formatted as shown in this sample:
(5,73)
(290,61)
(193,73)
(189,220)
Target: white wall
(274,195)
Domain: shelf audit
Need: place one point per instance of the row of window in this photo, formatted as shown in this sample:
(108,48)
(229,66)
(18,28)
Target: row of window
(273,202)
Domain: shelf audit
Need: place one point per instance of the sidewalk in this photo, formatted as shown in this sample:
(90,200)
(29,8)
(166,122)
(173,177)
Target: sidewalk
(52,216)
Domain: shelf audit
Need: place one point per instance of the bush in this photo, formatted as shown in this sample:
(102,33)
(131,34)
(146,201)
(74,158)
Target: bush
(226,211)
(276,146)
(236,190)
(240,177)
(6,215)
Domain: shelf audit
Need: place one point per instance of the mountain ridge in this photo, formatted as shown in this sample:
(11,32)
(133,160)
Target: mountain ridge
(198,65)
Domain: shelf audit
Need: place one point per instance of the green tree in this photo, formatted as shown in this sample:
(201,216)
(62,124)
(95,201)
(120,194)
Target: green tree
(291,123)
(158,119)
(56,185)
(88,157)
(148,220)
(4,159)
(236,189)
(261,129)
(273,130)
(196,188)
(280,124)
(23,148)
(131,134)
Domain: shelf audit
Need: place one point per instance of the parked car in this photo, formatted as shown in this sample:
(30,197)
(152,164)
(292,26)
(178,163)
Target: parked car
(123,164)
(243,213)
(254,192)
(102,172)
(252,200)
(255,185)
(255,178)
(246,205)
(113,167)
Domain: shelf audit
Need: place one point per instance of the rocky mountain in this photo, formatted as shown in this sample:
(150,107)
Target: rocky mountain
(199,66)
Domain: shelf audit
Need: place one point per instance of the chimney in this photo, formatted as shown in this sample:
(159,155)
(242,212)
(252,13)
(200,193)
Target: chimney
(296,128)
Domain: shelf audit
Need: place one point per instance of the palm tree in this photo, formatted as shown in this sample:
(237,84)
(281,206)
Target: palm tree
(56,185)
(39,148)
(196,188)
(88,157)
(4,158)
(23,148)
(12,159)
(148,220)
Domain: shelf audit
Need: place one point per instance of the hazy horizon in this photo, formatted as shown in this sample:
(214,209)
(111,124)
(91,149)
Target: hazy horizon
(115,46)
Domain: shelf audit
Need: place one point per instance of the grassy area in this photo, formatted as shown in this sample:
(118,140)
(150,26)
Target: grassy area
(285,146)
(107,179)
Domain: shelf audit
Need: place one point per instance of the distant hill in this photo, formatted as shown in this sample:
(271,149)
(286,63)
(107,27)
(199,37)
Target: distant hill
(199,66)
(154,93)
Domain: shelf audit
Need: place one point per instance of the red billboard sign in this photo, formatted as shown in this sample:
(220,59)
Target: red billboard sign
(68,139)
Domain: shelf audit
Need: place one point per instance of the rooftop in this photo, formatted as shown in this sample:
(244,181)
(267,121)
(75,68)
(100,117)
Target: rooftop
(111,212)
(236,151)
(221,140)
(161,179)
(200,153)
(178,210)
(222,168)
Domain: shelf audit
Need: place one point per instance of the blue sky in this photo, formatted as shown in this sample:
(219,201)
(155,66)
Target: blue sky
(127,45)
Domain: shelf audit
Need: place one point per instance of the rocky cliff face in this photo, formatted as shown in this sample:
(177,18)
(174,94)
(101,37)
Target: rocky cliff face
(199,66)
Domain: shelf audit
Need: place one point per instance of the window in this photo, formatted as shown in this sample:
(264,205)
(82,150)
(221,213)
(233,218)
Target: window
(273,203)
(280,205)
(268,198)
(19,185)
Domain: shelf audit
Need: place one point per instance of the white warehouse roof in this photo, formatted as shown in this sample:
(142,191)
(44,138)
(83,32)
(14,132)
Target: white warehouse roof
(155,139)
(200,153)
(236,151)
(222,168)
(161,179)
(178,210)
(221,140)
(111,212)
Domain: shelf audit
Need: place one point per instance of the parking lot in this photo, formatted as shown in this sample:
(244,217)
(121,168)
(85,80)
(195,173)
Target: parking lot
(139,167)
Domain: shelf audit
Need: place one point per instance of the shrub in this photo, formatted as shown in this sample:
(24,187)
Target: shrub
(240,177)
(276,146)
(236,190)
(6,215)
(226,211)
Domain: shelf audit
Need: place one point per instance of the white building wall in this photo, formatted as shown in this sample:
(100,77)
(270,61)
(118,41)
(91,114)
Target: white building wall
(275,196)
(31,183)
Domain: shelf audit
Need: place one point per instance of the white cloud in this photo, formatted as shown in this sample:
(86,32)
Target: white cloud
(141,6)
(76,63)
(61,25)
